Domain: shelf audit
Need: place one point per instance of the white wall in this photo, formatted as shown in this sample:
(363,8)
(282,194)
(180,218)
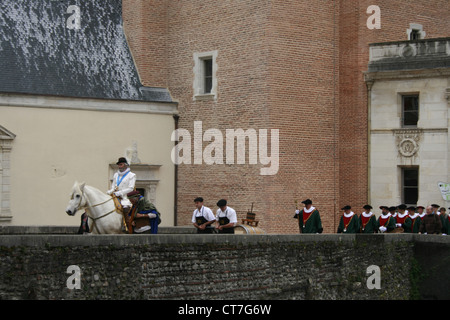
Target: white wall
(432,153)
(54,147)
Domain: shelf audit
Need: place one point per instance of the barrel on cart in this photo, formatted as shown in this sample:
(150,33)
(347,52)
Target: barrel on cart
(247,229)
(249,225)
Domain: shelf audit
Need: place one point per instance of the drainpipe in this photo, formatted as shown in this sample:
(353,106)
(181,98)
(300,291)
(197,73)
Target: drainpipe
(175,205)
(369,84)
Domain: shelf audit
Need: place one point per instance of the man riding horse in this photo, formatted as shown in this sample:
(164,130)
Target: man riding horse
(123,183)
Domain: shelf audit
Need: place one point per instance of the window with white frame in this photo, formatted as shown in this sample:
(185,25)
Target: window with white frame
(415,31)
(205,81)
(410,110)
(410,185)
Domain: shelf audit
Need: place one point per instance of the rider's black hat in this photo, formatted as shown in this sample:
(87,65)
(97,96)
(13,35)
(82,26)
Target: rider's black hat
(122,160)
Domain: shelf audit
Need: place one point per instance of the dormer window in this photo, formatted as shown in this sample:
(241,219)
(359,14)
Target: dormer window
(415,32)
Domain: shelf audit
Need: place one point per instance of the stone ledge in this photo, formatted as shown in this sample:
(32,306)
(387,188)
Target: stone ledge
(74,240)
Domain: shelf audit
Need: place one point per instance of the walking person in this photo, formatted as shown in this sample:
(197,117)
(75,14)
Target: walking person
(368,221)
(308,218)
(349,222)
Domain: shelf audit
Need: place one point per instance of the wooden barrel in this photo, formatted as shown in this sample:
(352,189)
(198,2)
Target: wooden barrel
(247,229)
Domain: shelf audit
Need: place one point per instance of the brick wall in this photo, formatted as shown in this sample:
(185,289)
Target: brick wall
(145,25)
(289,65)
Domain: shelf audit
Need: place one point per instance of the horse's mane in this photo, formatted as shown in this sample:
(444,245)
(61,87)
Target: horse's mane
(90,188)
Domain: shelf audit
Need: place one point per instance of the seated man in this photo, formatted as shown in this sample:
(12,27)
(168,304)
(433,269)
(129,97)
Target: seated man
(144,214)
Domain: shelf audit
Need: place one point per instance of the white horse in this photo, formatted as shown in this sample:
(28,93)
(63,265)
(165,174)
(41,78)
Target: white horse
(104,218)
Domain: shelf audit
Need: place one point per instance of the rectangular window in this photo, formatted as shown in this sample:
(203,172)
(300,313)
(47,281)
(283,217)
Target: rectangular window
(410,185)
(208,75)
(414,35)
(205,80)
(410,110)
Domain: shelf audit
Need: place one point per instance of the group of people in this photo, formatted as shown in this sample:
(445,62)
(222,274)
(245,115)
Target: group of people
(140,215)
(394,219)
(205,221)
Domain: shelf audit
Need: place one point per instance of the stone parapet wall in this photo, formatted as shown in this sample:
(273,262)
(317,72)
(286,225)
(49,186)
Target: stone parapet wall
(189,266)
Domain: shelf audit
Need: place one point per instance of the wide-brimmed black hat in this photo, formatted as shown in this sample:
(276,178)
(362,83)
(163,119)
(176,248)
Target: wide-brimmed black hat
(122,160)
(307,201)
(346,208)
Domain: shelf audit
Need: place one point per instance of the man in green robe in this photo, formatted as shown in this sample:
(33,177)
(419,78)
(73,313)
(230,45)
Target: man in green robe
(349,222)
(368,221)
(308,218)
(412,223)
(386,222)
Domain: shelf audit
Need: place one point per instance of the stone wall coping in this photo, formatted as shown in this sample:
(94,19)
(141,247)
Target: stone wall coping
(50,240)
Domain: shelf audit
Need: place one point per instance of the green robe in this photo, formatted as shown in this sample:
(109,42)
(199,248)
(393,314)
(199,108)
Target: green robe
(370,226)
(313,224)
(412,225)
(444,222)
(144,206)
(390,224)
(352,227)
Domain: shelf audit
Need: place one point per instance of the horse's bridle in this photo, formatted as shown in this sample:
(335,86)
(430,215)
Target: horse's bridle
(88,207)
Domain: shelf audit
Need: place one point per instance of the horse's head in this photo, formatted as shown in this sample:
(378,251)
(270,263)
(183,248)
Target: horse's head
(77,200)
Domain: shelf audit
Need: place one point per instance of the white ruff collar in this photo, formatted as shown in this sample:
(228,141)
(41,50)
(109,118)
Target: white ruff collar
(403,215)
(414,216)
(122,173)
(367,215)
(385,216)
(309,210)
(349,214)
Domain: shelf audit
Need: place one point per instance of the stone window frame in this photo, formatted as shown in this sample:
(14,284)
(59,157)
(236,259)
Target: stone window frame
(6,140)
(199,75)
(418,28)
(402,185)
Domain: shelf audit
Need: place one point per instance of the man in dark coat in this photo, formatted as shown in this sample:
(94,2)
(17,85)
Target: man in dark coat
(431,223)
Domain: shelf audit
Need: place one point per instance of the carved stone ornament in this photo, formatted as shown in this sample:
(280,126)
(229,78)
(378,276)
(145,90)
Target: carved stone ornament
(447,95)
(408,141)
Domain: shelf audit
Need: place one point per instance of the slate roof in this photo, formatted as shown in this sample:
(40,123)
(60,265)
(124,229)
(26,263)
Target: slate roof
(43,52)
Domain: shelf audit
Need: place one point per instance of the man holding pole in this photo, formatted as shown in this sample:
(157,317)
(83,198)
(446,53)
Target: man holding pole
(308,218)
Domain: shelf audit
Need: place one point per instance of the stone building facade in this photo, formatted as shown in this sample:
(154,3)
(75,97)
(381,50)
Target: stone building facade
(409,85)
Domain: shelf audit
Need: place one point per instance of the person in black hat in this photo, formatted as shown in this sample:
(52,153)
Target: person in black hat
(368,221)
(412,224)
(349,222)
(402,216)
(386,222)
(145,216)
(226,217)
(444,218)
(203,217)
(123,183)
(308,218)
